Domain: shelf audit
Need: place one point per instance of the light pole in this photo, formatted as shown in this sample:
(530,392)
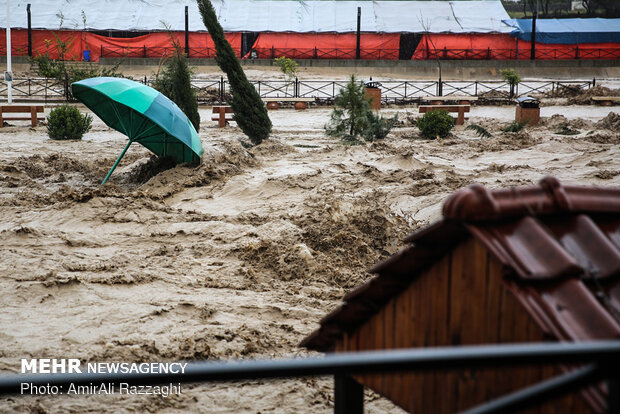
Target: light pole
(8,76)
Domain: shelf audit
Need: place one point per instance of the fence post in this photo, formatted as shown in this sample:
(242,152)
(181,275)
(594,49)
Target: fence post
(348,395)
(221,89)
(357,44)
(593,82)
(29,30)
(186,33)
(296,87)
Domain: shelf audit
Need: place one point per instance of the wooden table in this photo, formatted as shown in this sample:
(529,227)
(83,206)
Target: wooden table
(460,109)
(300,103)
(33,110)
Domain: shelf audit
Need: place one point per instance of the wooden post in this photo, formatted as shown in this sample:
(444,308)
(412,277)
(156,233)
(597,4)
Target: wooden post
(33,116)
(222,120)
(348,395)
(461,117)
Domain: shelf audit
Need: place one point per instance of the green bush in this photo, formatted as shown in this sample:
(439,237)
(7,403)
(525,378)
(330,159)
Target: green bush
(515,126)
(512,78)
(378,126)
(288,66)
(436,123)
(66,122)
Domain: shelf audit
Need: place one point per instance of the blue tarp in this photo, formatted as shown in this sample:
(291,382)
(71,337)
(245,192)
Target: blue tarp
(567,31)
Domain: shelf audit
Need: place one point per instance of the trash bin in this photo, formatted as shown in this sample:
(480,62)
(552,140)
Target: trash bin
(86,54)
(373,94)
(528,109)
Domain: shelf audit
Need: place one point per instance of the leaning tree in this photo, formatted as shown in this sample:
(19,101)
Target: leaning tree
(250,111)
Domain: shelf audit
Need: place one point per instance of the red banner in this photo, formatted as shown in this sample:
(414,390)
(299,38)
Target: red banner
(326,46)
(73,44)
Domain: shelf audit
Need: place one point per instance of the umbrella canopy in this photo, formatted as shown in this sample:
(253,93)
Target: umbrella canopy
(143,114)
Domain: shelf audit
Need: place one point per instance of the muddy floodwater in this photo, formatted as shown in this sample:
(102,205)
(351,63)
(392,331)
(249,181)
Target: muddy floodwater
(241,256)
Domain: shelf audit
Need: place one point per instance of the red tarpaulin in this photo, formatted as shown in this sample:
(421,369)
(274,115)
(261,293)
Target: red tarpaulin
(326,46)
(504,46)
(153,45)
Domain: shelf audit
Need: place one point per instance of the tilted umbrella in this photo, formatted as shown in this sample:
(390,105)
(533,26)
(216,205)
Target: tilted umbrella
(143,114)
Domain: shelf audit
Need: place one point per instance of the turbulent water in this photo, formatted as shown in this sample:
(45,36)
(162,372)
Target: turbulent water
(242,255)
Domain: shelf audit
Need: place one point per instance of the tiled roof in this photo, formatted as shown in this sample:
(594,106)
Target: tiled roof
(560,245)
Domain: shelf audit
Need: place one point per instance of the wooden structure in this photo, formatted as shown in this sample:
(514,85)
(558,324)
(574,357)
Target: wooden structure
(459,109)
(606,100)
(373,95)
(531,115)
(222,114)
(300,103)
(505,266)
(33,110)
(461,100)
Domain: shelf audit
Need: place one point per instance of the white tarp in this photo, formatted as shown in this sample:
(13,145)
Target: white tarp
(265,16)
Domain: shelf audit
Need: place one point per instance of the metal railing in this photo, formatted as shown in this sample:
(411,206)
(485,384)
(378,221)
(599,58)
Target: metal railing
(153,52)
(210,91)
(542,53)
(602,361)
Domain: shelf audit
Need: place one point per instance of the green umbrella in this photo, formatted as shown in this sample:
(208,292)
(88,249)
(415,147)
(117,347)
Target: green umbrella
(143,114)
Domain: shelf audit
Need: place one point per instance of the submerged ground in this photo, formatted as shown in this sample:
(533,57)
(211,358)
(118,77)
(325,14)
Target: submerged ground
(241,256)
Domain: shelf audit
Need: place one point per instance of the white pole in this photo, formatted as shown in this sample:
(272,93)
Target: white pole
(8,51)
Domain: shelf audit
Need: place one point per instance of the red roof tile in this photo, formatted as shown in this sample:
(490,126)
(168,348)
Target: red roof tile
(561,243)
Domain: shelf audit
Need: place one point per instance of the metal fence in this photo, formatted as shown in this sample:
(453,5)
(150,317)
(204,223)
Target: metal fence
(602,361)
(212,91)
(350,53)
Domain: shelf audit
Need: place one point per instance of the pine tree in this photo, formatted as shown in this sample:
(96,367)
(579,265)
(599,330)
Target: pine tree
(175,84)
(249,110)
(352,117)
(349,118)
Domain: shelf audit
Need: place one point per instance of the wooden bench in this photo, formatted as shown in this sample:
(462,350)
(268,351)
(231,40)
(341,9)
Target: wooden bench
(300,103)
(222,114)
(460,109)
(606,100)
(440,100)
(33,110)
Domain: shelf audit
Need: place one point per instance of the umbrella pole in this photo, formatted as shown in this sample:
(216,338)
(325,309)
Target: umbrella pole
(116,163)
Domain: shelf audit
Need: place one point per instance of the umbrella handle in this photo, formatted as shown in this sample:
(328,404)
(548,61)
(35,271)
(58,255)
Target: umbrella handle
(116,163)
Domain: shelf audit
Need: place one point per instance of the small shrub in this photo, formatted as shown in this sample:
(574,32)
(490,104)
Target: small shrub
(66,122)
(436,123)
(288,66)
(512,78)
(378,126)
(515,126)
(479,130)
(566,130)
